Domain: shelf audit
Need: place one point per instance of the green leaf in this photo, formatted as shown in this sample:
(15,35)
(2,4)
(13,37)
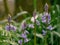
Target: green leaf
(56,33)
(19,14)
(39,35)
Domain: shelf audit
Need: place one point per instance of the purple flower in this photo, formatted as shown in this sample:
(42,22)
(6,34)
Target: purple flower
(13,28)
(24,26)
(43,19)
(43,32)
(10,27)
(20,42)
(23,35)
(46,18)
(50,27)
(31,26)
(26,40)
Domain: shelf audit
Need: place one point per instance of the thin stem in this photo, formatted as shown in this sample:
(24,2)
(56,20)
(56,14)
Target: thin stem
(51,38)
(35,4)
(46,39)
(34,22)
(23,42)
(35,34)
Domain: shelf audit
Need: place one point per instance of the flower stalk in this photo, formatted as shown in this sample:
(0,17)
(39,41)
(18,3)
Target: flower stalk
(34,14)
(46,13)
(9,20)
(35,4)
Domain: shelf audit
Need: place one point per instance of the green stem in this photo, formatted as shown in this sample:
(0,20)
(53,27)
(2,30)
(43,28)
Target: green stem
(46,39)
(34,22)
(23,42)
(51,38)
(35,34)
(35,4)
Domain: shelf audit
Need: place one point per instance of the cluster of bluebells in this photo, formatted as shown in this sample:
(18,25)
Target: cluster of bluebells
(9,26)
(23,34)
(46,18)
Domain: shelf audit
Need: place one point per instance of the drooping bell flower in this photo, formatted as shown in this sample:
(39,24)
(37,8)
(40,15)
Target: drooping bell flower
(14,28)
(46,18)
(23,35)
(25,41)
(50,27)
(24,25)
(20,42)
(10,27)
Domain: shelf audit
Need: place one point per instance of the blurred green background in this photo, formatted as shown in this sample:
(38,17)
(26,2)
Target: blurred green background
(14,6)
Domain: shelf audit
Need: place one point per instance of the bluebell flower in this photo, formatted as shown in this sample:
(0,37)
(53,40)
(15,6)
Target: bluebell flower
(10,27)
(23,35)
(20,42)
(46,18)
(26,40)
(24,25)
(43,19)
(50,27)
(14,28)
(43,32)
(31,25)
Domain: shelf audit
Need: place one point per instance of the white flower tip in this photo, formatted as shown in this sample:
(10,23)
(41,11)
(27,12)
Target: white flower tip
(32,19)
